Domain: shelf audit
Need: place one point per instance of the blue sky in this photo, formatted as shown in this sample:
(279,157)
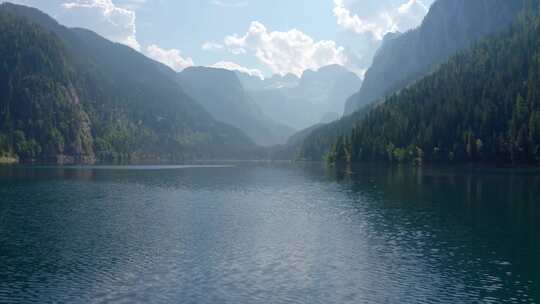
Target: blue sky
(261,37)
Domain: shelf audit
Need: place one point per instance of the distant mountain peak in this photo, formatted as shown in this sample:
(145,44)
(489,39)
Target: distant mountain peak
(221,79)
(207,69)
(222,94)
(284,78)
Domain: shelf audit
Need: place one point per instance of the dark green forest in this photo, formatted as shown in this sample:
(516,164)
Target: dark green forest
(481,106)
(69,95)
(39,110)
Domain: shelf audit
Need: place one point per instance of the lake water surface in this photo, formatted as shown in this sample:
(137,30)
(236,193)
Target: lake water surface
(269,234)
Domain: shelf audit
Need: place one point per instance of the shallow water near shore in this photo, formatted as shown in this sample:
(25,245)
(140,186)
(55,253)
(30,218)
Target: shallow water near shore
(269,233)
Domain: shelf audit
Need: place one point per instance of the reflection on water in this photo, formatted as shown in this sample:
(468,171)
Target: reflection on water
(269,234)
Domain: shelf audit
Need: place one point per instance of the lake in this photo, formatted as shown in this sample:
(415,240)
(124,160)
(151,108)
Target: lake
(280,233)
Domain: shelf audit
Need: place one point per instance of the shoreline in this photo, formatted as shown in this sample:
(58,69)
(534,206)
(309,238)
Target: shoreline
(8,160)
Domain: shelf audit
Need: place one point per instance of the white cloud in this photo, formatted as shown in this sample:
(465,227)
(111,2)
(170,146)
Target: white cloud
(232,66)
(353,23)
(402,18)
(410,14)
(172,58)
(112,20)
(133,4)
(104,17)
(212,46)
(285,52)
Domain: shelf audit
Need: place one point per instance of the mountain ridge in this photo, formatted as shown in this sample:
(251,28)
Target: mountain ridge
(449,26)
(135,108)
(222,94)
(481,106)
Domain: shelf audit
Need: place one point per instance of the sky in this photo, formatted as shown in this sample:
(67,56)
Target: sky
(258,37)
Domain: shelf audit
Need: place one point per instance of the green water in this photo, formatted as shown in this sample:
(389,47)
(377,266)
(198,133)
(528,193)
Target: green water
(269,234)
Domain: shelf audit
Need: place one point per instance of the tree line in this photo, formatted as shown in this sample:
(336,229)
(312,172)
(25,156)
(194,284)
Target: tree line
(481,106)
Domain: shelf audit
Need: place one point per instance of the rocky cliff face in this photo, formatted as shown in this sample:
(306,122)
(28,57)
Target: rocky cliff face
(450,26)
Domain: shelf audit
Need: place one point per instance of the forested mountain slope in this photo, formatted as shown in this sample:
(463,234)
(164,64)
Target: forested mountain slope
(403,59)
(481,106)
(40,109)
(317,143)
(71,95)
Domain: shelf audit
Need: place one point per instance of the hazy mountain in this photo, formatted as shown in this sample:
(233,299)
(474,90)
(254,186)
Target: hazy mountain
(330,117)
(304,102)
(450,26)
(221,93)
(330,85)
(69,94)
(292,148)
(253,83)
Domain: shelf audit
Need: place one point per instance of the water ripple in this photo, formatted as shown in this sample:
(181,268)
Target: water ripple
(253,234)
